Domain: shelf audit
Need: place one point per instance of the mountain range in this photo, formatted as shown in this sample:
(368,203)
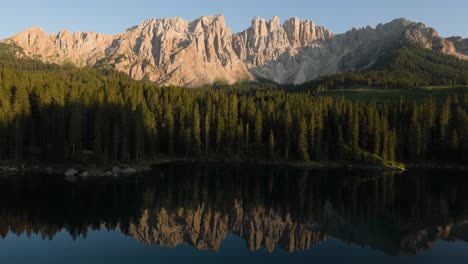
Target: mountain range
(194,53)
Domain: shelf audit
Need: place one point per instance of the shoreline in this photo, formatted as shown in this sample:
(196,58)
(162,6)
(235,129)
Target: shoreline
(73,171)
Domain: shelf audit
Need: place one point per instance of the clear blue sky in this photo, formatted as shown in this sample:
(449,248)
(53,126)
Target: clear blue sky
(449,17)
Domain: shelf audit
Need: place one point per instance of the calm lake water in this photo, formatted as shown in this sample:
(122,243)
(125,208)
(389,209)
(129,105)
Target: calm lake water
(211,213)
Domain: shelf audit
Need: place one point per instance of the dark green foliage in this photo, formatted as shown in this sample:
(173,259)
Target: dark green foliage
(271,145)
(58,113)
(302,145)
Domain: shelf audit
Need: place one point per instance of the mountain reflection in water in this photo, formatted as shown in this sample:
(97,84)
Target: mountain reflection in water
(269,208)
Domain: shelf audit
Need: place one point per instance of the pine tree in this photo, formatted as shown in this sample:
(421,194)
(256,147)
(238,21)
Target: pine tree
(454,144)
(182,129)
(302,146)
(139,127)
(196,130)
(340,144)
(21,108)
(232,120)
(312,133)
(219,132)
(115,139)
(170,129)
(287,130)
(355,132)
(376,135)
(240,139)
(444,119)
(415,134)
(98,137)
(75,129)
(247,137)
(150,132)
(207,131)
(187,140)
(259,128)
(271,145)
(125,129)
(392,143)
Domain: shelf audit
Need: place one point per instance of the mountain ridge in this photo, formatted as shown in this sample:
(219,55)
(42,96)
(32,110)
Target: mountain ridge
(172,51)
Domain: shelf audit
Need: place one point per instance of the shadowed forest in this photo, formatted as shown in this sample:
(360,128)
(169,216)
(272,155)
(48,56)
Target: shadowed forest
(61,113)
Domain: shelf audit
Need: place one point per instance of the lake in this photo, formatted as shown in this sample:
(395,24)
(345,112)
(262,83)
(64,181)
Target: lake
(208,213)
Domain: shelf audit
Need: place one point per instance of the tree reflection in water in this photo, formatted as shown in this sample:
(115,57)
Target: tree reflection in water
(199,204)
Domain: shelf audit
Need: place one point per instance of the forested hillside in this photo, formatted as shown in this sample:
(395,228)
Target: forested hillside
(57,113)
(407,67)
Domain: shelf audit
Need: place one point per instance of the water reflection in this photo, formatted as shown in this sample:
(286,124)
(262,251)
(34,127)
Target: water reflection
(199,205)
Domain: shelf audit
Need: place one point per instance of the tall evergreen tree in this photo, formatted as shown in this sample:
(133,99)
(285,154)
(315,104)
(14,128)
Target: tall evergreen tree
(302,146)
(271,145)
(196,130)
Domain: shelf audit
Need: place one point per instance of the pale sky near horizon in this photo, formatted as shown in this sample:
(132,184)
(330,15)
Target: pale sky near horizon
(449,17)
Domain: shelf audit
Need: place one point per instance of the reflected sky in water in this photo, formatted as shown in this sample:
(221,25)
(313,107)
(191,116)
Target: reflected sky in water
(113,247)
(208,213)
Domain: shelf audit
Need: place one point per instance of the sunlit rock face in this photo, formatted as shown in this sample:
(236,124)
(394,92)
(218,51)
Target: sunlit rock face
(165,51)
(79,48)
(272,51)
(299,51)
(193,53)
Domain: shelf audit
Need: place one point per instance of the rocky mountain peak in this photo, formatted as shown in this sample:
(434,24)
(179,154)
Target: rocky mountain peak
(36,30)
(30,37)
(304,32)
(274,24)
(172,51)
(266,41)
(219,18)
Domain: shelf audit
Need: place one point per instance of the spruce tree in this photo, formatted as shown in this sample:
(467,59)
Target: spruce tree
(259,128)
(271,145)
(302,146)
(196,130)
(207,131)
